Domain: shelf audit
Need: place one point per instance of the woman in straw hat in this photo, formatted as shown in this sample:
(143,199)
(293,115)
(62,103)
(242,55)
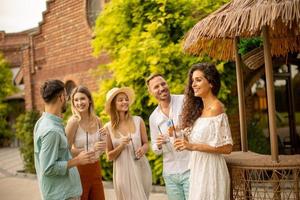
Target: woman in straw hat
(85,133)
(209,136)
(127,144)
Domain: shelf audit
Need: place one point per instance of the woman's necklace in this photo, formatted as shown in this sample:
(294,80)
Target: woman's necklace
(89,125)
(209,106)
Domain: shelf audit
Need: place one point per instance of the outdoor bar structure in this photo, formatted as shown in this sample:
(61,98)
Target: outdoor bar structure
(277,22)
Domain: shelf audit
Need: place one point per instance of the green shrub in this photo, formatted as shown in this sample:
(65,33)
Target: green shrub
(67,114)
(248,44)
(7,88)
(5,131)
(156,164)
(24,132)
(257,141)
(106,166)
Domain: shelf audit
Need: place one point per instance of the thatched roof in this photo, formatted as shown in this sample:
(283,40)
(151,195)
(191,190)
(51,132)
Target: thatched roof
(245,18)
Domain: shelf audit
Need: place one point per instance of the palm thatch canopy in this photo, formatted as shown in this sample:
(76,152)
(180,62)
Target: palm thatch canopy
(214,35)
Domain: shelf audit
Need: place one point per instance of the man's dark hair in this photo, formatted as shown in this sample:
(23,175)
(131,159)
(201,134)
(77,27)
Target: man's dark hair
(152,76)
(51,89)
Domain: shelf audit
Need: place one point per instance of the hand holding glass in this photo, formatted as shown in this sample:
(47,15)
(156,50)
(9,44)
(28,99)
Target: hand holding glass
(85,157)
(139,153)
(100,145)
(164,138)
(181,144)
(133,148)
(102,133)
(89,148)
(125,140)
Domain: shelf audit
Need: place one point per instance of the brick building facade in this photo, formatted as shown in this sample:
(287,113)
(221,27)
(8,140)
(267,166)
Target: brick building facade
(60,48)
(12,45)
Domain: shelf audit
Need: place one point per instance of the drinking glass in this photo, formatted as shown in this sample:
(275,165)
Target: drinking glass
(133,148)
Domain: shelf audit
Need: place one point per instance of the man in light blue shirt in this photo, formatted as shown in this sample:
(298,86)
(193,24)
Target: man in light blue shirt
(175,163)
(55,168)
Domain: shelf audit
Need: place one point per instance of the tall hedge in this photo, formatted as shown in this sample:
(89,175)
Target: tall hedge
(24,132)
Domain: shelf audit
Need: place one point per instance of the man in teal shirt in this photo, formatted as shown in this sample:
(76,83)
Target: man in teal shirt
(55,168)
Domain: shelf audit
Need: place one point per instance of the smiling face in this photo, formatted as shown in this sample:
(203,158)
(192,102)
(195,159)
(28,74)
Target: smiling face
(158,87)
(81,102)
(122,102)
(200,84)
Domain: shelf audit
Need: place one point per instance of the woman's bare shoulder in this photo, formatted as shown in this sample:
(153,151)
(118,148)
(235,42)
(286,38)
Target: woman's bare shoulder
(217,108)
(73,121)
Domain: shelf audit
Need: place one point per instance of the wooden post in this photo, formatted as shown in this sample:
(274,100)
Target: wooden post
(241,96)
(270,94)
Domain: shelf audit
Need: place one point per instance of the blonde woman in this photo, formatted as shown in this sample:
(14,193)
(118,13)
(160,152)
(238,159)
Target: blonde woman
(127,144)
(85,133)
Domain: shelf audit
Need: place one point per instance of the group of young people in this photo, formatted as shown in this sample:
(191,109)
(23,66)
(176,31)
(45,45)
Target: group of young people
(191,131)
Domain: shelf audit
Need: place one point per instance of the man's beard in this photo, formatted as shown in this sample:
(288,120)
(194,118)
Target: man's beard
(167,96)
(64,108)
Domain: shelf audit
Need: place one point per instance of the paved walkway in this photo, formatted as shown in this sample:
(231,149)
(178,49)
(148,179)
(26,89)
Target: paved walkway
(15,185)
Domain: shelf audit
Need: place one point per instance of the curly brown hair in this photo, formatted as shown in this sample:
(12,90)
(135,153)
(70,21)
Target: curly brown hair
(192,105)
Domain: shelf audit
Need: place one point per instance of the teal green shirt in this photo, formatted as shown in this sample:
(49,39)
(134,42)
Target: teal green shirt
(51,154)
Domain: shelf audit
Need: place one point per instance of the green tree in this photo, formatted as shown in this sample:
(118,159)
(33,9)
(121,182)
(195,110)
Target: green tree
(6,89)
(24,132)
(144,37)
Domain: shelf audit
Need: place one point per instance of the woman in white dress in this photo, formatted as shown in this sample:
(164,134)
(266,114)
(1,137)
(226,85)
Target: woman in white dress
(127,143)
(208,135)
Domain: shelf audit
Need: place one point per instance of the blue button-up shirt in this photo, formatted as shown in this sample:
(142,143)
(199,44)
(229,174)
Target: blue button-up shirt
(51,155)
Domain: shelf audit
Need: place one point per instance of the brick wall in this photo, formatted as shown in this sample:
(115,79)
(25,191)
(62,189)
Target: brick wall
(61,49)
(11,45)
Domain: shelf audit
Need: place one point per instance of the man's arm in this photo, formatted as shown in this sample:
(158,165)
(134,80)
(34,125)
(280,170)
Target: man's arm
(50,165)
(81,159)
(49,156)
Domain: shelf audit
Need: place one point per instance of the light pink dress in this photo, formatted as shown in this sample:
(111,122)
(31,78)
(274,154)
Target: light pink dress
(132,178)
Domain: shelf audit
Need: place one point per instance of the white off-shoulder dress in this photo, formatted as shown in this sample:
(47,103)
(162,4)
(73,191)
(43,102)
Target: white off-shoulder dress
(209,178)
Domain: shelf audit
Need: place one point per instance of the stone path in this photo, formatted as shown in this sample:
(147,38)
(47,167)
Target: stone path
(15,185)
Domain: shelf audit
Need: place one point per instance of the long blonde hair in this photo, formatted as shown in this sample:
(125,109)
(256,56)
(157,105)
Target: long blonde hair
(115,116)
(84,90)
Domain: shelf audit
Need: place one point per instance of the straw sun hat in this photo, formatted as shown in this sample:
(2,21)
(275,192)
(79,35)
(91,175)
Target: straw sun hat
(114,92)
